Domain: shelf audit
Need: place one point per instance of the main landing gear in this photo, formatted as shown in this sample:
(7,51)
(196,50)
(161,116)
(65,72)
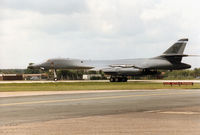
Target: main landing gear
(118,79)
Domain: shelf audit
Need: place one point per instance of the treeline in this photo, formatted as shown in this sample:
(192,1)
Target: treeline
(174,75)
(61,74)
(12,71)
(77,74)
(183,74)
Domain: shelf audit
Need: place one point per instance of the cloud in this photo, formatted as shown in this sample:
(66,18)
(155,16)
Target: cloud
(46,6)
(32,31)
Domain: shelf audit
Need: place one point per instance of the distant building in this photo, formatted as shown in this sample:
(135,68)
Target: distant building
(11,77)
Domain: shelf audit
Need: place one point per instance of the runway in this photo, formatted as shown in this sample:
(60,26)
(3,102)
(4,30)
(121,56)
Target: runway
(16,111)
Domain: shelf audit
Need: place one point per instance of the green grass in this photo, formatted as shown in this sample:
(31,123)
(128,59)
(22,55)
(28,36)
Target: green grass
(68,86)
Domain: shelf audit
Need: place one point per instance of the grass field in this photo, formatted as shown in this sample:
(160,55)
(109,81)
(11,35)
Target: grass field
(70,86)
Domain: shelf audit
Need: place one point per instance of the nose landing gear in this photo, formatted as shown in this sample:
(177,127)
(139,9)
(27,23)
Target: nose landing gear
(55,75)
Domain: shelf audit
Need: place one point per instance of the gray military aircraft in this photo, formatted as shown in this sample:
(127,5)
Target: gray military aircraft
(120,69)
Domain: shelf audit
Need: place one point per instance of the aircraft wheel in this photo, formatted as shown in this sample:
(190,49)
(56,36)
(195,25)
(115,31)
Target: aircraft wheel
(117,79)
(112,79)
(124,79)
(120,79)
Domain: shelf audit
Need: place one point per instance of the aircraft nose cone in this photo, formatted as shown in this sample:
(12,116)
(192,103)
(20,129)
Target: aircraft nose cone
(33,66)
(30,66)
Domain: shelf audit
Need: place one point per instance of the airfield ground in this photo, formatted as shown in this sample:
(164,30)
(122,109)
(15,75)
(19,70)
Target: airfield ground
(141,112)
(82,108)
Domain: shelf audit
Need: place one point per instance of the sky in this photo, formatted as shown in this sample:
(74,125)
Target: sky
(32,31)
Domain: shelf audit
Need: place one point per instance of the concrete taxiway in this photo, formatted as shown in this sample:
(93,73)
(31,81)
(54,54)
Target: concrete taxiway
(115,112)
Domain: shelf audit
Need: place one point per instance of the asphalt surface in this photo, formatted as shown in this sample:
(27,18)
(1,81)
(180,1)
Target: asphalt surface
(29,109)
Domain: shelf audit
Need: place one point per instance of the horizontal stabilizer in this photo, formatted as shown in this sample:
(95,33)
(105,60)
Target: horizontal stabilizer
(179,55)
(175,55)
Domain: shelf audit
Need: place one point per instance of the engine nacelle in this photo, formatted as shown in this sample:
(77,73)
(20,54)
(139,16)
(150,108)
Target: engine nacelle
(122,71)
(129,72)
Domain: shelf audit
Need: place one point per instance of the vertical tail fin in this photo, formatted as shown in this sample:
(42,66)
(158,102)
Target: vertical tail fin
(175,53)
(177,48)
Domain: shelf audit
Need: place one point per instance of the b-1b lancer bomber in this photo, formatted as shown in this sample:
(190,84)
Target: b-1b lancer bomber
(120,69)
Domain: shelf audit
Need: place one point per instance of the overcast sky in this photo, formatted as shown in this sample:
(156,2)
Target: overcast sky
(36,30)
